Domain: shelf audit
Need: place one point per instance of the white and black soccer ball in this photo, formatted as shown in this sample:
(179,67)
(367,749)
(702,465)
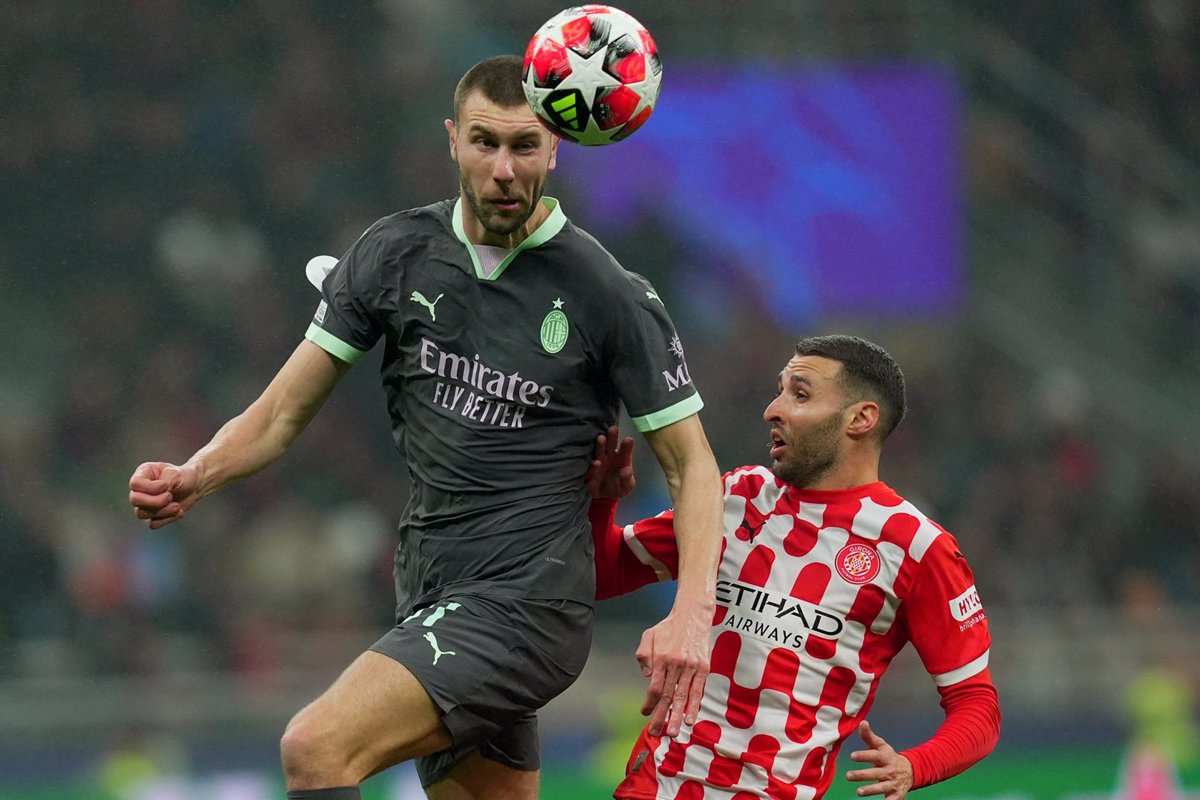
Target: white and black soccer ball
(592,74)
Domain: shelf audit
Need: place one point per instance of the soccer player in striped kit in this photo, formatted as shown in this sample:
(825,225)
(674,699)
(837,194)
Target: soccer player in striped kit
(825,574)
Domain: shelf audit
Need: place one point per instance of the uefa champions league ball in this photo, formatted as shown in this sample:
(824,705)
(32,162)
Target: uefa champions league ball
(592,74)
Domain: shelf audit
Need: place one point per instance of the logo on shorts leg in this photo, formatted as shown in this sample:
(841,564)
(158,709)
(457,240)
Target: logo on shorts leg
(437,651)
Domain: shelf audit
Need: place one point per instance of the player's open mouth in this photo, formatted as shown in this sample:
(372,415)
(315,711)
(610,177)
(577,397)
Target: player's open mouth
(507,205)
(777,445)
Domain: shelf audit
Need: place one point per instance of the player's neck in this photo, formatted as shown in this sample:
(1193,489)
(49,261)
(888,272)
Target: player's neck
(846,474)
(477,234)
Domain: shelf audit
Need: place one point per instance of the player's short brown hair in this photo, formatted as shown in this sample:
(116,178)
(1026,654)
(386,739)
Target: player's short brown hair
(867,371)
(498,77)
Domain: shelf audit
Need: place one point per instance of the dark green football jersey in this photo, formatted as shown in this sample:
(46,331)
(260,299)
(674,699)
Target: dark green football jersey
(497,387)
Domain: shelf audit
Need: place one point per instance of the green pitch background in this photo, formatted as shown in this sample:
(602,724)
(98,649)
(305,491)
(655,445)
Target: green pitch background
(1046,774)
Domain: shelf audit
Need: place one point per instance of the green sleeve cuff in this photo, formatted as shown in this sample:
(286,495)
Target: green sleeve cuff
(669,415)
(333,345)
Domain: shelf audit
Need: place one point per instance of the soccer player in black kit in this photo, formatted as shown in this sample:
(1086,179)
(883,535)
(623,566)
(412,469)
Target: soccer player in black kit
(510,339)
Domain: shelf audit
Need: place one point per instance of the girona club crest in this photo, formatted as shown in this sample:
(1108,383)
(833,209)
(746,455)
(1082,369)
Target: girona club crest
(857,563)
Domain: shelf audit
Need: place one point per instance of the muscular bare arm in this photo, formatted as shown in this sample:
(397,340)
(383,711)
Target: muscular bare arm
(675,653)
(162,493)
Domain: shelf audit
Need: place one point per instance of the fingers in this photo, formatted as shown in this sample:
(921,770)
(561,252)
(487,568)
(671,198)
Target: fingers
(883,780)
(149,502)
(681,679)
(890,773)
(874,788)
(148,478)
(152,494)
(891,789)
(624,449)
(155,524)
(676,686)
(599,452)
(657,702)
(155,520)
(593,474)
(869,737)
(665,716)
(624,462)
(695,695)
(645,652)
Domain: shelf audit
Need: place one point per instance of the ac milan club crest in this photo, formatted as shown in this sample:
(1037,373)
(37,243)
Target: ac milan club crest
(857,563)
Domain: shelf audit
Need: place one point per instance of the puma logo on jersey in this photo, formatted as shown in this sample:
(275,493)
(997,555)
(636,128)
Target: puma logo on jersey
(751,530)
(437,651)
(653,296)
(417,297)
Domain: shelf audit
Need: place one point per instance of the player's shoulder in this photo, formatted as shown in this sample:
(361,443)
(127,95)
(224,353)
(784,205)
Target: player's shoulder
(434,218)
(401,237)
(899,520)
(750,472)
(592,262)
(752,481)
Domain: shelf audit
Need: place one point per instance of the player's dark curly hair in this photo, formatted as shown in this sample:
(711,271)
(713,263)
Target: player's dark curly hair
(867,371)
(498,77)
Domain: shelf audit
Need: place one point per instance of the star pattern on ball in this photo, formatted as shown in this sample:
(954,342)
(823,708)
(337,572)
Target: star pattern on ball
(588,75)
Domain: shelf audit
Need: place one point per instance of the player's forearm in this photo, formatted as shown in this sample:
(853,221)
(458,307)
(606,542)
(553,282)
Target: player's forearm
(243,446)
(265,430)
(970,731)
(696,492)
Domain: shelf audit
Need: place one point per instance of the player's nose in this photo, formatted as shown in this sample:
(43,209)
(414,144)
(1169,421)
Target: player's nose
(770,413)
(502,170)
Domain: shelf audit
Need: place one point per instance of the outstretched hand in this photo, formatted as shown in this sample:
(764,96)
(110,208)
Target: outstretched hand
(891,773)
(162,493)
(674,655)
(610,475)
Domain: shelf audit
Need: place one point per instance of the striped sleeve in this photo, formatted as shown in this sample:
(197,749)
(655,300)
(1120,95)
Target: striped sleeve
(630,557)
(944,615)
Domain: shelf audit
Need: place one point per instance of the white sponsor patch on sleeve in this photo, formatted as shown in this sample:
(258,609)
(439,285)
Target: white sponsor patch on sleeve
(966,604)
(317,268)
(321,309)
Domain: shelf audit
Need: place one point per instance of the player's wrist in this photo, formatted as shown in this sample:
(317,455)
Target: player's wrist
(694,600)
(197,474)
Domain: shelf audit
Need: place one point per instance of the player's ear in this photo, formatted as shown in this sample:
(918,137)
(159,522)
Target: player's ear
(553,152)
(449,123)
(864,420)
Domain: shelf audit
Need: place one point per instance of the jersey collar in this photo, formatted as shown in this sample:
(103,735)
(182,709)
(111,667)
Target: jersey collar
(550,226)
(876,490)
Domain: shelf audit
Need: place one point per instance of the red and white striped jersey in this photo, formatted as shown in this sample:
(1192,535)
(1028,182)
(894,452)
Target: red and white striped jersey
(816,593)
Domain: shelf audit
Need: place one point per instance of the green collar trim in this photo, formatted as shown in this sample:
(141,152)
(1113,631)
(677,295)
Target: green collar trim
(542,234)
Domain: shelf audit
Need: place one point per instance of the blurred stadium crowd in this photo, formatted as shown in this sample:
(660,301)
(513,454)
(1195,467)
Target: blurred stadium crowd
(170,166)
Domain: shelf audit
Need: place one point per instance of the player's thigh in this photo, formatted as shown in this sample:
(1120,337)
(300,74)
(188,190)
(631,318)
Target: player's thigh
(489,664)
(480,778)
(374,715)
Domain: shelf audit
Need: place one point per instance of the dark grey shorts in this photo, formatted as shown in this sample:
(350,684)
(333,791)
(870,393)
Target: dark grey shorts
(490,663)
